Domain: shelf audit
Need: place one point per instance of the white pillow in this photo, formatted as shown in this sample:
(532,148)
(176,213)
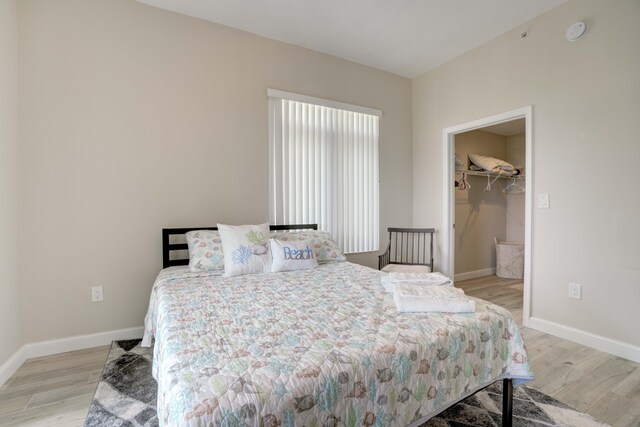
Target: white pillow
(246,249)
(491,164)
(325,248)
(293,255)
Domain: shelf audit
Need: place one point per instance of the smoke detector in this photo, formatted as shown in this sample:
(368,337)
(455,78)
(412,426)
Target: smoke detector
(575,31)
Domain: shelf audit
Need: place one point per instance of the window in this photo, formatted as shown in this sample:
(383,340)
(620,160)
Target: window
(323,168)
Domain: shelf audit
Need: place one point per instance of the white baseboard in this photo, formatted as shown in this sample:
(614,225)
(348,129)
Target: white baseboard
(474,274)
(79,342)
(12,364)
(608,345)
(62,345)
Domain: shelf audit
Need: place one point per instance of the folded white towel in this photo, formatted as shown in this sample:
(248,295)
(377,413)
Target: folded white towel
(406,268)
(411,298)
(425,279)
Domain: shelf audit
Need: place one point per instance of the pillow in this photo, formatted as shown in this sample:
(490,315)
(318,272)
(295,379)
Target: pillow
(292,255)
(325,248)
(492,164)
(246,249)
(205,250)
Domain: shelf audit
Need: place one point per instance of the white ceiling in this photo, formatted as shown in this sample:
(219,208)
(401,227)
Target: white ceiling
(405,37)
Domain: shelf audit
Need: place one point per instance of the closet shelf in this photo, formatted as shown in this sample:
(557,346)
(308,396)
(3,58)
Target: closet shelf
(490,174)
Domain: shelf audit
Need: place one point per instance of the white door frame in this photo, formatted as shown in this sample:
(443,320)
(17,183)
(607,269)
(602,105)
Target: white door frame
(448,234)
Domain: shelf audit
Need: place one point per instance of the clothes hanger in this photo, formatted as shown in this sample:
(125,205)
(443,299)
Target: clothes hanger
(464,184)
(490,182)
(513,187)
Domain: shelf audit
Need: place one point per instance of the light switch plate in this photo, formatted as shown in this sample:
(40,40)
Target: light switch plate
(575,290)
(543,201)
(97,294)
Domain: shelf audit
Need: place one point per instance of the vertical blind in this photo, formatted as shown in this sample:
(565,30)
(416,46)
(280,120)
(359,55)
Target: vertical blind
(324,169)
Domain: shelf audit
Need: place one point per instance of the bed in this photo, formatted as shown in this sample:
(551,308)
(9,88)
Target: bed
(320,347)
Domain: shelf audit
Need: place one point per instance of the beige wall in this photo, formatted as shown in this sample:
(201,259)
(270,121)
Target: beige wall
(586,104)
(479,215)
(134,119)
(516,201)
(10,305)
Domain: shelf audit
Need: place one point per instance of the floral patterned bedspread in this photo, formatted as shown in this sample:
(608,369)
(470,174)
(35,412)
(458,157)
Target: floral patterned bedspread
(322,347)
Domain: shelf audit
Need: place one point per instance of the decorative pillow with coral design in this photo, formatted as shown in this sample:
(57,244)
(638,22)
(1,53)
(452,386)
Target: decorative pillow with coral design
(325,248)
(205,250)
(246,249)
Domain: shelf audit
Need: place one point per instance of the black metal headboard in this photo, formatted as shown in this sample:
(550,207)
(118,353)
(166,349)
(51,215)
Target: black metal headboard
(168,247)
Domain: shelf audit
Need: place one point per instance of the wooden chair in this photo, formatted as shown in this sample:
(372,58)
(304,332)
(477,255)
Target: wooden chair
(409,249)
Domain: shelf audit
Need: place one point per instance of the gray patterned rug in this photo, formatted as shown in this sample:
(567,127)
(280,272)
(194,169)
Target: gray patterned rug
(126,396)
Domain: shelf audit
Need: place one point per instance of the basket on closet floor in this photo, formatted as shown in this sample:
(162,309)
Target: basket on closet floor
(509,259)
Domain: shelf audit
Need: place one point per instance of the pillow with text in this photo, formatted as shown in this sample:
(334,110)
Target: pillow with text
(325,248)
(292,255)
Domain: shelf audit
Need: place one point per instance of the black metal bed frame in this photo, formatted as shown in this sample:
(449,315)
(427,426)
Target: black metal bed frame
(507,402)
(408,246)
(410,249)
(168,248)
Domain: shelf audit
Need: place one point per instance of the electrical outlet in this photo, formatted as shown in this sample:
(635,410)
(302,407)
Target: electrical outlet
(96,294)
(575,290)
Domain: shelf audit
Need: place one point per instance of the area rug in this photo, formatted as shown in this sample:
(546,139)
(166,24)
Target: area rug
(126,396)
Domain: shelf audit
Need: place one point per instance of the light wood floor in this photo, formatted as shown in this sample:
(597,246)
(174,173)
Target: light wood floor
(52,390)
(57,390)
(604,386)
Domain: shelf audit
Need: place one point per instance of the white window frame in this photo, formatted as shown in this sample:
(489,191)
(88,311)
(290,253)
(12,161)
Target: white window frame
(354,226)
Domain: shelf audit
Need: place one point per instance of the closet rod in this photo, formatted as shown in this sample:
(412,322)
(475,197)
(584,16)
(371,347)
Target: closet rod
(491,174)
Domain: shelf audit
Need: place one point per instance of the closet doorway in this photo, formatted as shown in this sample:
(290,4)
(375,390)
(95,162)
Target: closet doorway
(481,206)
